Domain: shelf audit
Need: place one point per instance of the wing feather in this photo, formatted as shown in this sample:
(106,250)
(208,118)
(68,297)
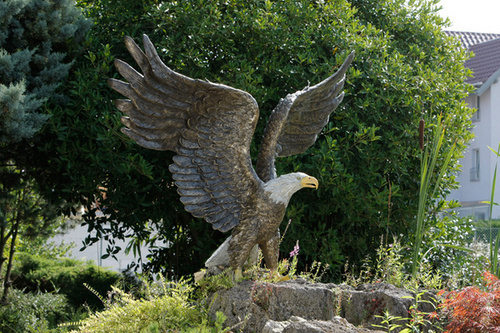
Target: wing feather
(209,126)
(311,110)
(225,224)
(190,185)
(298,119)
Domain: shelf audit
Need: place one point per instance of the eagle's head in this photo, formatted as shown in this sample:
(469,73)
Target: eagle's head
(282,188)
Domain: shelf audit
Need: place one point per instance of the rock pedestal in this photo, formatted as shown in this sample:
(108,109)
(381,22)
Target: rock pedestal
(300,306)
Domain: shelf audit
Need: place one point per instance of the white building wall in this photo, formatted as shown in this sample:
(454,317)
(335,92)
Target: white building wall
(94,252)
(473,192)
(493,143)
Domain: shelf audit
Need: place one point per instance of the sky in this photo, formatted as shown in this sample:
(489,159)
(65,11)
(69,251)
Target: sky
(472,15)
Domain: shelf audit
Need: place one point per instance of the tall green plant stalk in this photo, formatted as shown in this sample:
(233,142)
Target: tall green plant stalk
(427,165)
(494,269)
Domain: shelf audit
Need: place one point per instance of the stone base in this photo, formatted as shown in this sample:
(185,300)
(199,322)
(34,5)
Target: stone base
(300,325)
(300,306)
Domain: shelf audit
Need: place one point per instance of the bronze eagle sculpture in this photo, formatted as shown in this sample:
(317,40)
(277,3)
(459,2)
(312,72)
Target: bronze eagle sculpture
(210,127)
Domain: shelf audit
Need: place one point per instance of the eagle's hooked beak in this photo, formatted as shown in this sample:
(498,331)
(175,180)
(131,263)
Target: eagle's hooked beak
(309,182)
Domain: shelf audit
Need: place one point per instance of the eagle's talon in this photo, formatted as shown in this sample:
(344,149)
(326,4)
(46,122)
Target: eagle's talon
(276,276)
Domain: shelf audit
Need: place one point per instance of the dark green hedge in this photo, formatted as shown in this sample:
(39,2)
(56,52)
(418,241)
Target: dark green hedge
(64,275)
(366,159)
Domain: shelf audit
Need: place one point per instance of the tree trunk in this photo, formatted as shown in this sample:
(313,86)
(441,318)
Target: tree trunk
(7,283)
(3,240)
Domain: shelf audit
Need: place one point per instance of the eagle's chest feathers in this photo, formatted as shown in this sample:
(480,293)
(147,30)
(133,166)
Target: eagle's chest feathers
(270,206)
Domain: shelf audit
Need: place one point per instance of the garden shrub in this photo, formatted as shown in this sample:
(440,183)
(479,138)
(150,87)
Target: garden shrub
(32,312)
(165,306)
(391,266)
(64,275)
(494,223)
(447,248)
(366,159)
(43,248)
(474,309)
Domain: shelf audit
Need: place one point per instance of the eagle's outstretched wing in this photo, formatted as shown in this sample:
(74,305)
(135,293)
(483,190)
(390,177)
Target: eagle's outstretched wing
(209,126)
(297,120)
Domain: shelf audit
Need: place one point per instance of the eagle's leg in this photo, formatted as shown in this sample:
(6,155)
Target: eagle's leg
(239,251)
(270,250)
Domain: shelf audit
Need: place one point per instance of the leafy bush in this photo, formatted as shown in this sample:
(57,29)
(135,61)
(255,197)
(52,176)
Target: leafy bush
(447,248)
(64,275)
(450,259)
(366,159)
(494,223)
(418,320)
(42,248)
(165,306)
(392,266)
(473,309)
(32,312)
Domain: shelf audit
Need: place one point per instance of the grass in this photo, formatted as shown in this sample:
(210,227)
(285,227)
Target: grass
(494,244)
(428,163)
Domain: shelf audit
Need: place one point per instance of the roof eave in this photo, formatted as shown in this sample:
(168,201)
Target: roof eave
(488,83)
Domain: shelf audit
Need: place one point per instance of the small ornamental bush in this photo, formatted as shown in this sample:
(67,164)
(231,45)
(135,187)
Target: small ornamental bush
(165,309)
(32,312)
(67,276)
(474,309)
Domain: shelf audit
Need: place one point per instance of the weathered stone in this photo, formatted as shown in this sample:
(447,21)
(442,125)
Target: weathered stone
(272,326)
(254,303)
(364,305)
(253,306)
(301,325)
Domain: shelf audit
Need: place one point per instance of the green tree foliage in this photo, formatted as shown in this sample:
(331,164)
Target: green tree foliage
(32,66)
(33,312)
(64,276)
(367,157)
(35,38)
(24,214)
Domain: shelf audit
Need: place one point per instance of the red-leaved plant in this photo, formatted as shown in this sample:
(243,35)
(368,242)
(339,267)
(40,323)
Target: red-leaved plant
(473,309)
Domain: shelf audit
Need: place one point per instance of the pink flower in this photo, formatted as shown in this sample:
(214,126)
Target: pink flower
(295,250)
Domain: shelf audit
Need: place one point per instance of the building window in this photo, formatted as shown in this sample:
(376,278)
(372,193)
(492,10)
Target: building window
(475,103)
(475,169)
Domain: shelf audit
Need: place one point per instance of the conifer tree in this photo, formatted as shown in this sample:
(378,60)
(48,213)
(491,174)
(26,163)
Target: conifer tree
(33,34)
